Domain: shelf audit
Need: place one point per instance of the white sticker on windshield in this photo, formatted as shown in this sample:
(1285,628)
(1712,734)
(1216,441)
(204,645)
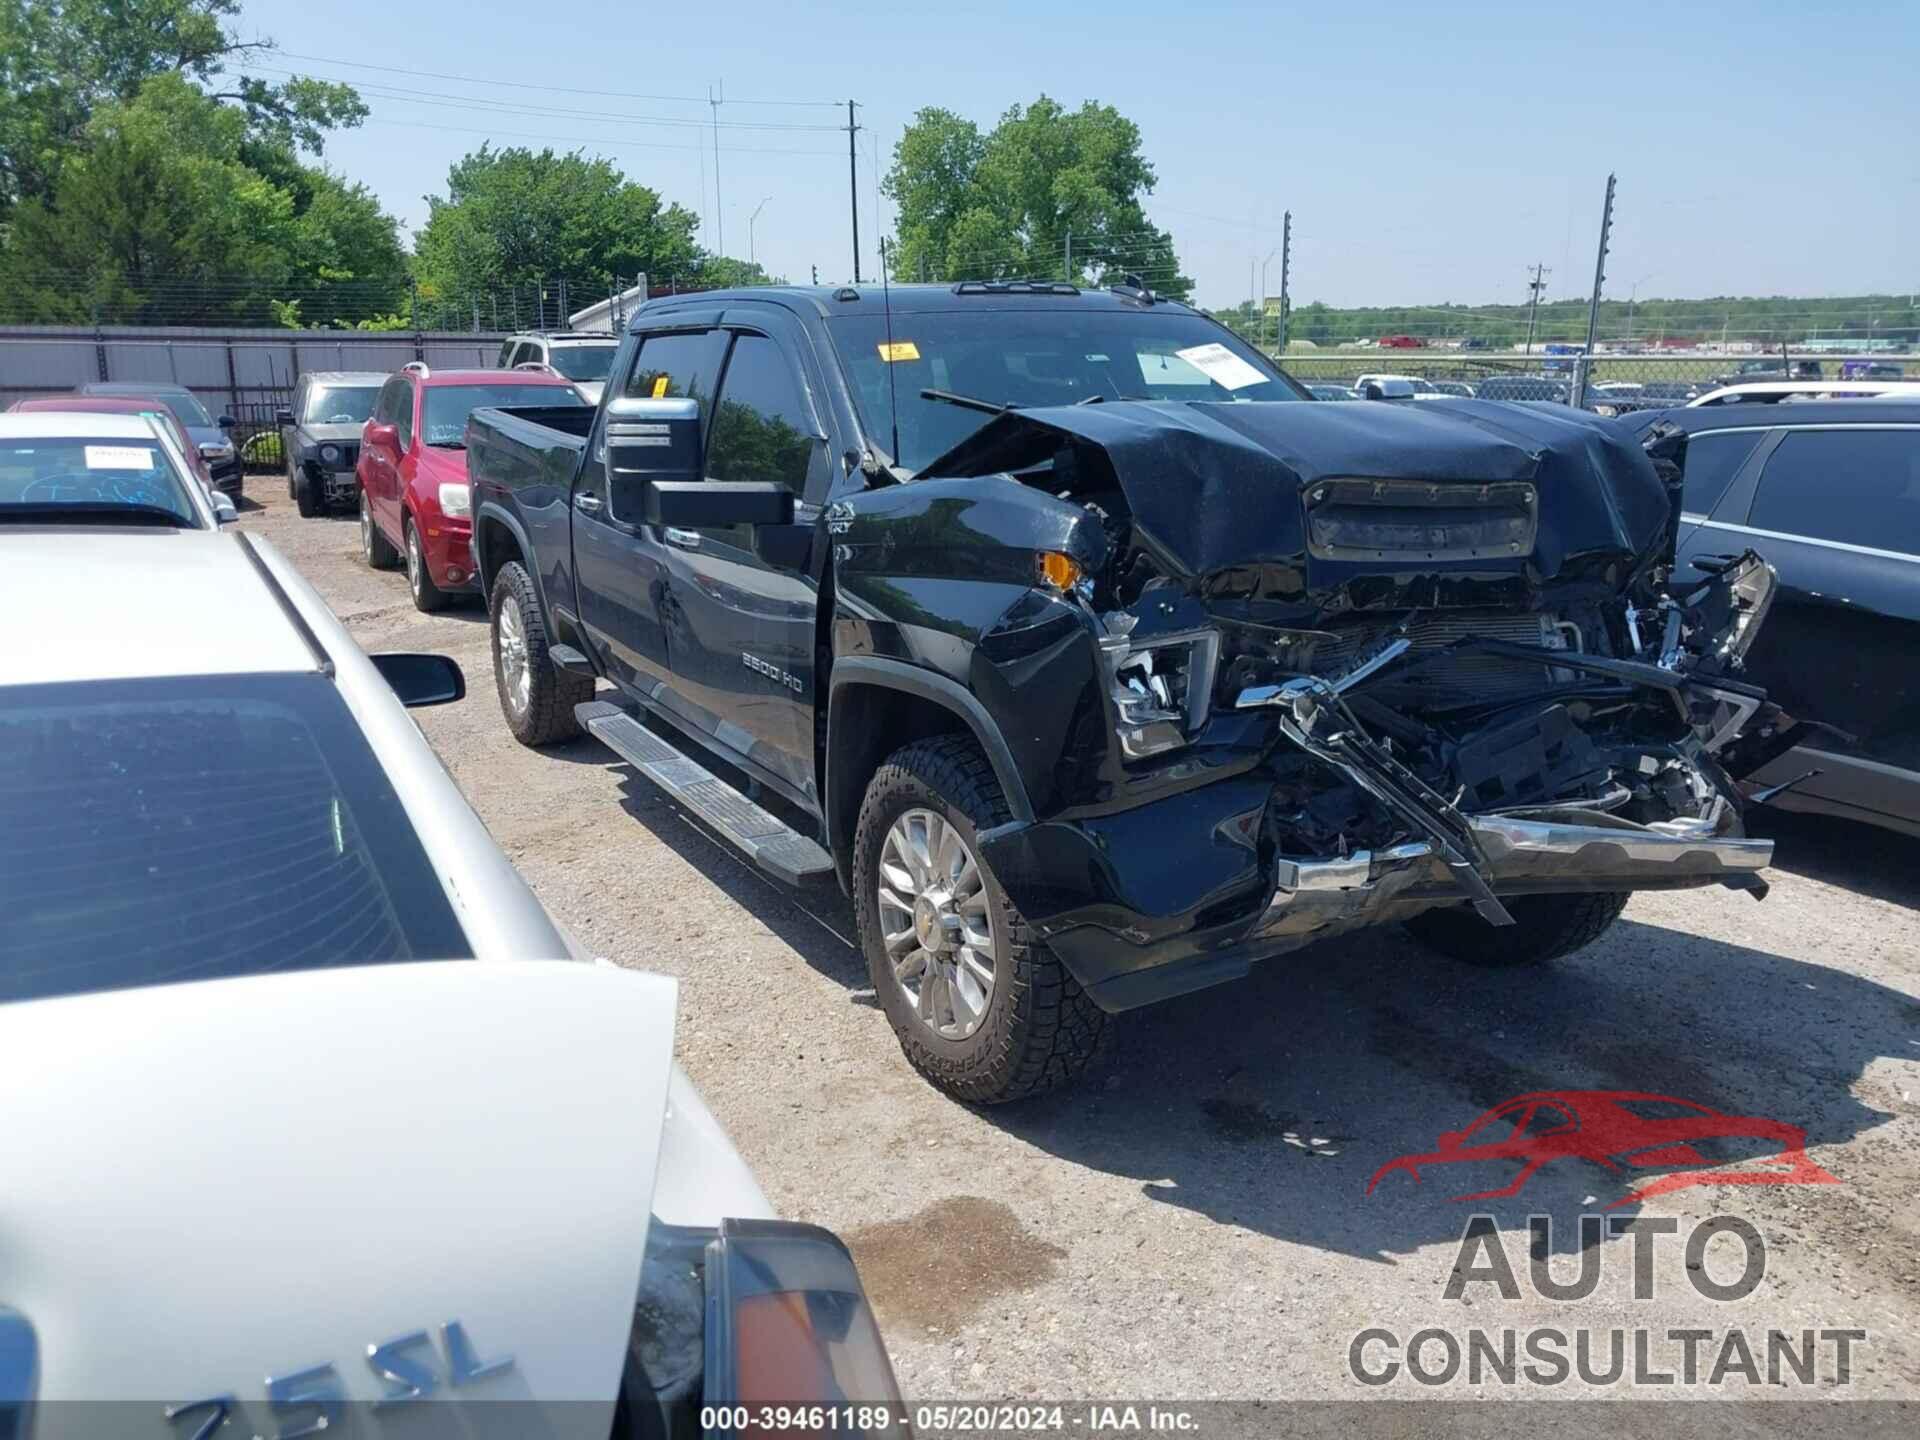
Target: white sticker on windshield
(1221,366)
(119,457)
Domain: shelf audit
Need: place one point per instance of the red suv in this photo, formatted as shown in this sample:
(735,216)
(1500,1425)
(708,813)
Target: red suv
(414,499)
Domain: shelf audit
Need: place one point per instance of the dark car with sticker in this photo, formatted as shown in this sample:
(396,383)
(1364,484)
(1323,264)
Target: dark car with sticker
(1095,667)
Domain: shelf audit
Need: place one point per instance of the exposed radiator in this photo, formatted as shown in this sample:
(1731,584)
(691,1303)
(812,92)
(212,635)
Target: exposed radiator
(1458,678)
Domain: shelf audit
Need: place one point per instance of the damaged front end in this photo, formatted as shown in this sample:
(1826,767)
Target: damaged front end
(1359,666)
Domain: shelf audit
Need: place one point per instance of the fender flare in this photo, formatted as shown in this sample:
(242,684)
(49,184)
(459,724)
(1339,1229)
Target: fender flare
(949,695)
(494,510)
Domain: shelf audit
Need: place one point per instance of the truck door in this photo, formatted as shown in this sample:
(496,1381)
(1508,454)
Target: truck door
(620,564)
(741,617)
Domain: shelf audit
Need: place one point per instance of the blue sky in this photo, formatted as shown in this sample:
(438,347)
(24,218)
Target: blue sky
(1428,152)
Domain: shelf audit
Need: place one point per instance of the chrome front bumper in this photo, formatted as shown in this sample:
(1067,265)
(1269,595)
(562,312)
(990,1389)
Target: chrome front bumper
(1534,852)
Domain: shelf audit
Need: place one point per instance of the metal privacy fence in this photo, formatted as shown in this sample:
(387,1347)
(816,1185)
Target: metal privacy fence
(245,373)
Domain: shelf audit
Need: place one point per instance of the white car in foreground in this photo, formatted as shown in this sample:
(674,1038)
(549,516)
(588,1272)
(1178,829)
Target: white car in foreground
(317,1119)
(1770,392)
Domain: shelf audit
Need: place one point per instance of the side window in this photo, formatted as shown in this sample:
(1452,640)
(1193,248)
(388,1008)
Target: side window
(383,402)
(505,362)
(1857,486)
(762,429)
(403,412)
(676,365)
(1713,459)
(299,403)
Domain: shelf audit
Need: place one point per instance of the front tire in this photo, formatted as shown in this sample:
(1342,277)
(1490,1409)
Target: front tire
(536,696)
(377,550)
(427,596)
(981,1009)
(306,496)
(1545,927)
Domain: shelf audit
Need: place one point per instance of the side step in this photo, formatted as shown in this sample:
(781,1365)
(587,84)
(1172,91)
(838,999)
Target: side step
(774,846)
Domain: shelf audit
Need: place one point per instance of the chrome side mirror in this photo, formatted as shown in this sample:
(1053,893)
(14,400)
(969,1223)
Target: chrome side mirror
(225,512)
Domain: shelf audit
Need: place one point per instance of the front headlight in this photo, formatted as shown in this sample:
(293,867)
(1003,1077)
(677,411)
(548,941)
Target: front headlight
(456,500)
(1161,686)
(329,454)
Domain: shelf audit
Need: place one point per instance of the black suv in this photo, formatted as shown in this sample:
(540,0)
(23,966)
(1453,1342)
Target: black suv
(320,437)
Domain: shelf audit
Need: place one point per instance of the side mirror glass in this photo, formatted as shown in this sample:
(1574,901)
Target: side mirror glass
(283,417)
(225,512)
(422,679)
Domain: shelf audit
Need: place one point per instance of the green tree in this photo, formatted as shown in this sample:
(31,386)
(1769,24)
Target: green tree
(515,216)
(62,60)
(156,216)
(1048,192)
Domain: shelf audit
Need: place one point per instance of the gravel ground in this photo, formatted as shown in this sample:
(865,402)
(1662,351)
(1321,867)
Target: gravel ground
(1194,1220)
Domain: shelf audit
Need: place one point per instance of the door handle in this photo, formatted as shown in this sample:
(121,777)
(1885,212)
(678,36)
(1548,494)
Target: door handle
(587,503)
(685,539)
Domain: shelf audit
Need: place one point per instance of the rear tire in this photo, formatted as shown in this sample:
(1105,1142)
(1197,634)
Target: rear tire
(377,550)
(536,696)
(1544,928)
(1037,1029)
(427,596)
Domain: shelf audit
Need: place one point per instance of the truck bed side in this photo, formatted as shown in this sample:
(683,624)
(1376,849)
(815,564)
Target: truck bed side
(521,461)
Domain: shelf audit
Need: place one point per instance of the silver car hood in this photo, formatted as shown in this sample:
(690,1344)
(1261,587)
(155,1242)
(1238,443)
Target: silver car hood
(256,1177)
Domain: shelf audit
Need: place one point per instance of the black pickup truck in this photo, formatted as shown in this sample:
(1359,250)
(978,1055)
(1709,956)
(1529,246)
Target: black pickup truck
(1099,661)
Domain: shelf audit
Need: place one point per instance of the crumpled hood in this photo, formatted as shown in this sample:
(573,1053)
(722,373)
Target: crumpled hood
(1218,487)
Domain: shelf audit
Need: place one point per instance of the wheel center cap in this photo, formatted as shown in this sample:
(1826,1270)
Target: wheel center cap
(927,928)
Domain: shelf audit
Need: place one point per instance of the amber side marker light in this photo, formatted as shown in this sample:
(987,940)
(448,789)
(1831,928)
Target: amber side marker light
(1060,571)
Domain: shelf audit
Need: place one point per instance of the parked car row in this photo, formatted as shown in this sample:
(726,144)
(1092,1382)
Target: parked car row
(225,837)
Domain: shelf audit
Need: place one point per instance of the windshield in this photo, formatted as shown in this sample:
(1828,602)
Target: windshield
(165,830)
(449,405)
(340,404)
(1030,357)
(67,477)
(582,362)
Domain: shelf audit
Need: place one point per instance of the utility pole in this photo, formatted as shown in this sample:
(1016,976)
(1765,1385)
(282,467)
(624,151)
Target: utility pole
(1583,367)
(719,220)
(1286,265)
(1068,265)
(853,190)
(816,274)
(1536,285)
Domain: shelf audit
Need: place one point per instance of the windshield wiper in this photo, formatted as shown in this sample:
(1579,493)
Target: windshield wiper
(968,402)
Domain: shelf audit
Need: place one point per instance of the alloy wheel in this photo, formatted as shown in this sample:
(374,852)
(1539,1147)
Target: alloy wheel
(936,922)
(515,673)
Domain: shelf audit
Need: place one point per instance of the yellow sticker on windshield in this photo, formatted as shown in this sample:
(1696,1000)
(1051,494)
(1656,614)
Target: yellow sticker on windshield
(660,387)
(899,350)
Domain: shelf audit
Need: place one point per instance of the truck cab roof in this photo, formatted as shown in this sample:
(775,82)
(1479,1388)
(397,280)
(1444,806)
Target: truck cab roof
(874,299)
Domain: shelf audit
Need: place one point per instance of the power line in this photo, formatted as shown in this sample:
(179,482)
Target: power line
(532,85)
(482,102)
(617,143)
